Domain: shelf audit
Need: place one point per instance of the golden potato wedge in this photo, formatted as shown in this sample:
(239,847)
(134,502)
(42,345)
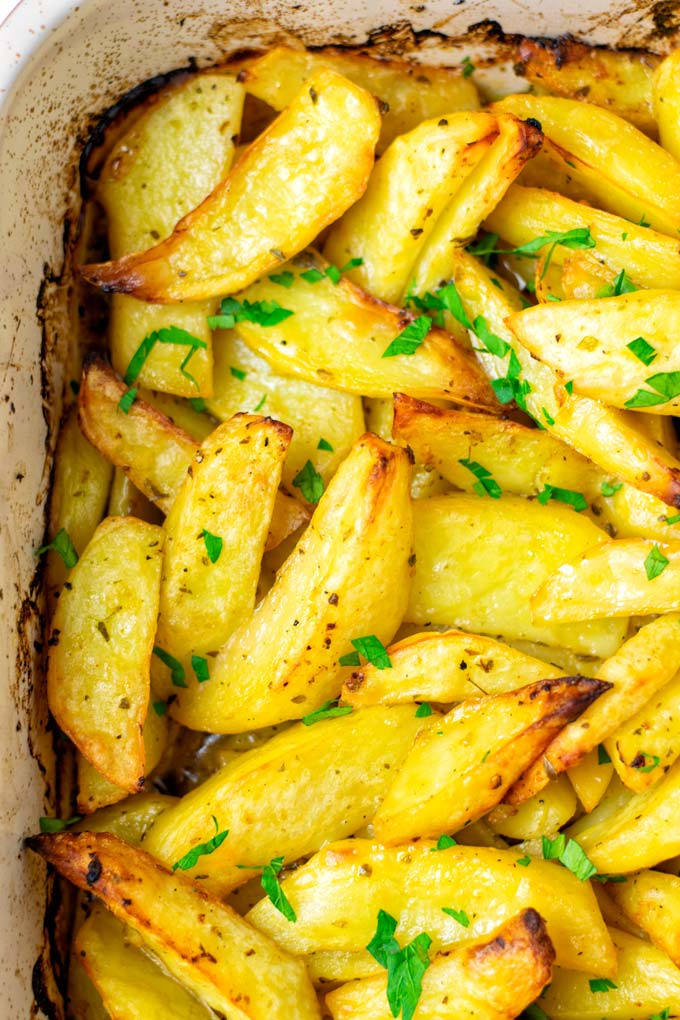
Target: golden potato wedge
(631,576)
(645,746)
(490,980)
(80,488)
(614,798)
(408,192)
(584,276)
(463,764)
(317,414)
(348,577)
(100,647)
(600,346)
(152,450)
(130,820)
(626,172)
(84,1001)
(666,100)
(350,882)
(339,768)
(618,80)
(198,424)
(408,93)
(95,791)
(320,148)
(338,336)
(131,985)
(479,561)
(646,984)
(644,664)
(651,900)
(542,815)
(215,534)
(444,667)
(126,500)
(650,258)
(590,778)
(202,942)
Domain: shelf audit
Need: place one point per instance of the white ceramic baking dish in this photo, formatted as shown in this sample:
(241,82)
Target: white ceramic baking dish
(62,63)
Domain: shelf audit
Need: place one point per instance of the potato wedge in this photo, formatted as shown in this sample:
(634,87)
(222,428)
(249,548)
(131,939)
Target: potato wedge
(645,746)
(320,147)
(492,980)
(130,820)
(216,532)
(151,450)
(623,170)
(202,942)
(463,764)
(666,100)
(479,561)
(84,1001)
(347,577)
(444,667)
(100,647)
(651,900)
(350,882)
(583,276)
(338,336)
(126,500)
(614,798)
(590,778)
(646,984)
(618,80)
(644,664)
(340,769)
(408,93)
(632,576)
(600,346)
(409,190)
(132,986)
(542,815)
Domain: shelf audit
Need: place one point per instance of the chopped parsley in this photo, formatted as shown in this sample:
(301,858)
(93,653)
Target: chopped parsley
(200,667)
(191,857)
(405,967)
(663,1015)
(213,545)
(534,1012)
(443,843)
(309,482)
(63,546)
(323,444)
(601,985)
(127,400)
(569,853)
(603,755)
(548,417)
(166,335)
(523,862)
(511,387)
(484,248)
(468,67)
(622,284)
(160,707)
(577,239)
(260,404)
(643,351)
(666,386)
(610,488)
(58,824)
(176,668)
(410,338)
(672,520)
(457,915)
(655,563)
(312,275)
(329,710)
(423,710)
(271,885)
(485,484)
(643,766)
(284,279)
(373,650)
(569,386)
(573,499)
(237,373)
(262,313)
(351,659)
(197,404)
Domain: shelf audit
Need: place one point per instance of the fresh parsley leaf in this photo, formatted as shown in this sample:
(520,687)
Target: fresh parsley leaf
(493,344)
(457,915)
(601,985)
(643,222)
(609,878)
(622,284)
(213,545)
(312,275)
(260,404)
(410,338)
(577,239)
(160,707)
(200,667)
(323,444)
(237,373)
(262,313)
(602,755)
(374,650)
(309,482)
(405,967)
(444,842)
(655,563)
(381,945)
(569,853)
(666,385)
(270,884)
(351,659)
(672,520)
(63,546)
(191,857)
(284,279)
(197,404)
(468,67)
(511,387)
(423,710)
(329,710)
(484,248)
(663,1015)
(351,264)
(58,824)
(176,668)
(166,335)
(569,386)
(573,499)
(485,485)
(610,488)
(552,297)
(333,274)
(534,1012)
(524,862)
(127,400)
(642,757)
(548,417)
(643,351)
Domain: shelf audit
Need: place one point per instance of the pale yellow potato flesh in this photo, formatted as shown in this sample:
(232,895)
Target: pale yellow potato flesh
(590,779)
(651,900)
(444,667)
(347,577)
(350,882)
(295,179)
(130,820)
(287,798)
(462,765)
(126,500)
(131,985)
(487,981)
(646,983)
(666,100)
(544,814)
(407,93)
(408,191)
(202,942)
(84,1000)
(480,560)
(654,728)
(100,647)
(643,665)
(338,335)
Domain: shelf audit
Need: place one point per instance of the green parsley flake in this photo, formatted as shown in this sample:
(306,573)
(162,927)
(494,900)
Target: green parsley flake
(468,67)
(534,1012)
(312,275)
(410,338)
(329,710)
(270,884)
(577,239)
(622,284)
(351,264)
(405,967)
(309,482)
(457,915)
(127,400)
(484,248)
(602,755)
(643,351)
(423,710)
(160,707)
(485,484)
(58,824)
(576,500)
(569,386)
(672,520)
(663,1015)
(373,650)
(444,843)
(213,545)
(351,659)
(63,546)
(191,857)
(333,274)
(166,335)
(323,444)
(284,279)
(200,667)
(176,668)
(610,488)
(548,417)
(569,853)
(260,404)
(666,386)
(640,762)
(601,985)
(262,313)
(523,862)
(552,297)
(237,373)
(197,404)
(655,563)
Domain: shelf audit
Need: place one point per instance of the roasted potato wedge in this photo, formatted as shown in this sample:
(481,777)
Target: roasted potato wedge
(645,746)
(646,662)
(340,769)
(651,901)
(463,764)
(130,820)
(471,571)
(666,100)
(543,815)
(408,93)
(590,778)
(491,979)
(350,882)
(126,500)
(100,647)
(320,147)
(202,942)
(347,577)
